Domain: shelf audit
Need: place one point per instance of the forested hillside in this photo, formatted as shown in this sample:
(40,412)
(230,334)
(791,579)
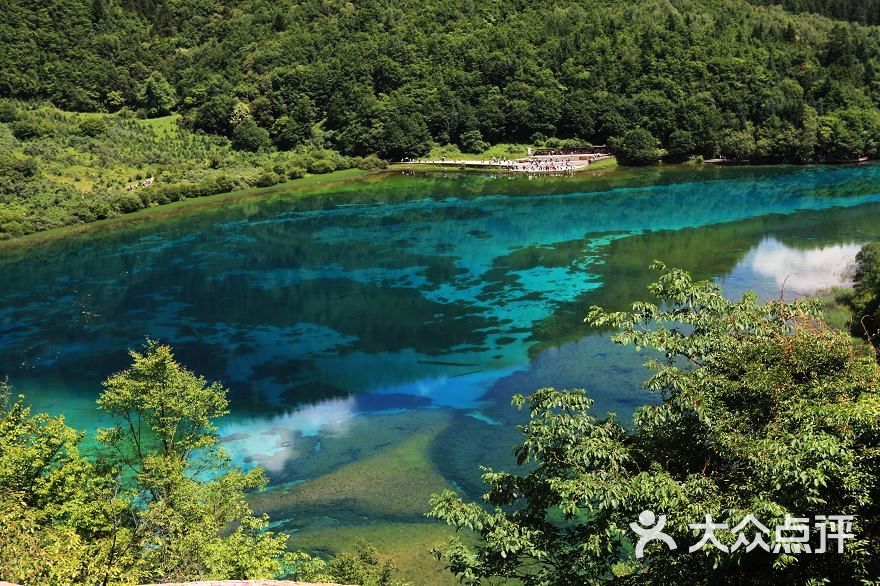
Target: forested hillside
(705,77)
(59,168)
(863,11)
(203,96)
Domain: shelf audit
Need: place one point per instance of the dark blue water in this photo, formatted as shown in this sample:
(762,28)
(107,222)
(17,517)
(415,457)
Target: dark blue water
(410,301)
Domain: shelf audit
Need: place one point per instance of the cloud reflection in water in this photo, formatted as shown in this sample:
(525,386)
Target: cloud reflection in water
(273,441)
(808,271)
(772,264)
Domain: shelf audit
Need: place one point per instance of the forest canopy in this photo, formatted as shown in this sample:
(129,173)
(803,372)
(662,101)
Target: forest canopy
(703,77)
(863,11)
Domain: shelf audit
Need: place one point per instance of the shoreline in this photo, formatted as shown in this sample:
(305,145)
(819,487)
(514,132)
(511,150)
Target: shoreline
(532,165)
(503,169)
(339,179)
(335,178)
(176,207)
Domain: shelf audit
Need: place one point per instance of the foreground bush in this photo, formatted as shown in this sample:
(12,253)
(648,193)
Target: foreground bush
(161,505)
(762,409)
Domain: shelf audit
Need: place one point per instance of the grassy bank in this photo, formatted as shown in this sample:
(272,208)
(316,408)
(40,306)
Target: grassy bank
(62,168)
(297,187)
(65,173)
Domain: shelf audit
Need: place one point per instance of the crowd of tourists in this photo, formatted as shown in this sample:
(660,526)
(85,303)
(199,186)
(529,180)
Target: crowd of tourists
(531,164)
(537,165)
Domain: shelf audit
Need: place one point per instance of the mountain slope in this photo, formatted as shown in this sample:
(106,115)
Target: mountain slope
(704,77)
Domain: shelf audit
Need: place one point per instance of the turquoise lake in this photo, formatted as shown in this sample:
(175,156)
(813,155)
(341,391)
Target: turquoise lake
(350,320)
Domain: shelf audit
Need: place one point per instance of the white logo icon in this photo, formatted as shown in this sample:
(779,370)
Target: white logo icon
(648,531)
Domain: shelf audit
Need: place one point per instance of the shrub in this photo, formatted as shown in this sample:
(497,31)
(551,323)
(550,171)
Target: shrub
(267,179)
(681,145)
(472,142)
(247,136)
(27,129)
(223,184)
(637,147)
(295,171)
(20,168)
(320,166)
(343,162)
(539,139)
(8,112)
(371,163)
(574,143)
(126,203)
(100,209)
(92,127)
(362,565)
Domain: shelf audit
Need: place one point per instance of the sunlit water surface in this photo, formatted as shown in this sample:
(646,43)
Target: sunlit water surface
(402,313)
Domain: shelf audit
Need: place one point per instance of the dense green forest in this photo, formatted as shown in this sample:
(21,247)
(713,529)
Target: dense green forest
(204,96)
(704,77)
(863,11)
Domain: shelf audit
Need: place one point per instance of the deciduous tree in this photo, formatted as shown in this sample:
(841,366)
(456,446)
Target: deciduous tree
(762,409)
(157,97)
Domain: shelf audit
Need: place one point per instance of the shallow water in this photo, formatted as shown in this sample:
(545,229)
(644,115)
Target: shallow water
(386,323)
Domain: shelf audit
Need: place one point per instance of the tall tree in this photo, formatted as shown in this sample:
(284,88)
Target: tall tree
(637,147)
(864,298)
(163,505)
(167,439)
(157,97)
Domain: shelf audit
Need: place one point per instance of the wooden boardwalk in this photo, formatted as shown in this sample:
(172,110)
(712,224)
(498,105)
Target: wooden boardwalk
(528,165)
